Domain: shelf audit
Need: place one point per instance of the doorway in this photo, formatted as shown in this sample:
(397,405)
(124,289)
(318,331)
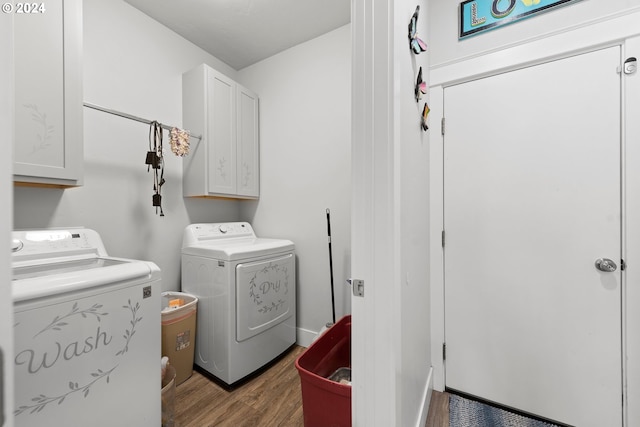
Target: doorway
(532,198)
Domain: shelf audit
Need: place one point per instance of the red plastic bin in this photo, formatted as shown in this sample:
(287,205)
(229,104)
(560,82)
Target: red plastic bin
(326,403)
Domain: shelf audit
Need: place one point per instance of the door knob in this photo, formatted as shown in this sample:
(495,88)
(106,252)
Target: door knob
(606,265)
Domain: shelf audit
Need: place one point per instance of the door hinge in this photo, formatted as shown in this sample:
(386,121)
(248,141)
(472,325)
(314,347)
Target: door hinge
(623,265)
(443,238)
(444,351)
(442,126)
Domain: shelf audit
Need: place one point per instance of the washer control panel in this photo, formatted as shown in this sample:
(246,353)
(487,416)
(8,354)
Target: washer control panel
(55,242)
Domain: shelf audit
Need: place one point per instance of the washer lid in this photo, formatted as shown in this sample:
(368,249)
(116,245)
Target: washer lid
(56,278)
(72,266)
(233,249)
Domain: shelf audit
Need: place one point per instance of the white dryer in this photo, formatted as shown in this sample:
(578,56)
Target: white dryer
(246,289)
(86,333)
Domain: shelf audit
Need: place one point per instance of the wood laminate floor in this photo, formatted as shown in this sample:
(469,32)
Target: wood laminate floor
(438,410)
(272,399)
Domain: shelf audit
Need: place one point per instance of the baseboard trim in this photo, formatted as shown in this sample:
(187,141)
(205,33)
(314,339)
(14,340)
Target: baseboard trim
(304,337)
(426,399)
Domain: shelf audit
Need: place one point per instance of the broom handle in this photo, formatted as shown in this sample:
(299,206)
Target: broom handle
(333,304)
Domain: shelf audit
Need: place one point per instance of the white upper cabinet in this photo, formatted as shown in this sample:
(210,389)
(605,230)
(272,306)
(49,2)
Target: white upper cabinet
(220,135)
(48,146)
(225,163)
(247,150)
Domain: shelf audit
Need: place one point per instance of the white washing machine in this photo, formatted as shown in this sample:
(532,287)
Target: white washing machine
(87,333)
(246,289)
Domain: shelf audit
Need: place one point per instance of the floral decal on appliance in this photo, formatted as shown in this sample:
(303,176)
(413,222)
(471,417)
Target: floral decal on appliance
(60,342)
(60,321)
(129,332)
(269,287)
(38,403)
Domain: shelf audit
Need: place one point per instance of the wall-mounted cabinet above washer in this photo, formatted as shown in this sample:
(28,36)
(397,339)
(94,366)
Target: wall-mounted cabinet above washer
(225,163)
(48,147)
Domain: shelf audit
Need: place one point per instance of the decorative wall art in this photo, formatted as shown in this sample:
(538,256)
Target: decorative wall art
(425,113)
(421,86)
(416,44)
(482,15)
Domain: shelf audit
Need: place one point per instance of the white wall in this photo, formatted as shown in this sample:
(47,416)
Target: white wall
(135,65)
(412,146)
(446,48)
(305,167)
(6,199)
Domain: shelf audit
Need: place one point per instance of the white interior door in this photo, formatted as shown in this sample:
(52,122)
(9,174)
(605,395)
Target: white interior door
(531,200)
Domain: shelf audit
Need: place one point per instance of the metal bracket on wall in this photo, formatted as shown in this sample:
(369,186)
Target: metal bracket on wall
(357,286)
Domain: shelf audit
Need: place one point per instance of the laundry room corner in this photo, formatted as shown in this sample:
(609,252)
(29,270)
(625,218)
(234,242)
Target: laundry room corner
(305,160)
(305,167)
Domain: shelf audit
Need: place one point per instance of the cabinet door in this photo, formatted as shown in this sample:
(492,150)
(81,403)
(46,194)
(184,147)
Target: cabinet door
(221,132)
(48,94)
(248,174)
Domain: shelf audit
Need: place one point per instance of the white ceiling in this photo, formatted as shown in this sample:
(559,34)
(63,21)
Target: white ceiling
(243,32)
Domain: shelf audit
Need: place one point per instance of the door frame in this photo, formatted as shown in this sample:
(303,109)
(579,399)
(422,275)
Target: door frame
(597,35)
(373,224)
(6,219)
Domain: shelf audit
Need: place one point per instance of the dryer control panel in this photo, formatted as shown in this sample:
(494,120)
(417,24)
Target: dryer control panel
(195,233)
